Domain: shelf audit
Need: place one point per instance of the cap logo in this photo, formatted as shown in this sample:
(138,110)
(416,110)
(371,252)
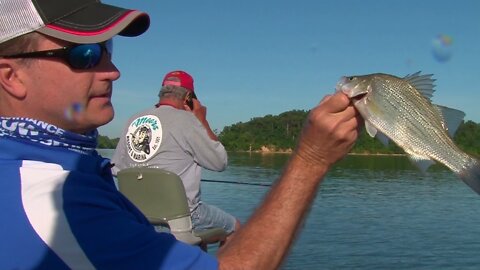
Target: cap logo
(143,137)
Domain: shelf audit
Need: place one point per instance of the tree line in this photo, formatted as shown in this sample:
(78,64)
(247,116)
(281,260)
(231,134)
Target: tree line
(279,133)
(104,142)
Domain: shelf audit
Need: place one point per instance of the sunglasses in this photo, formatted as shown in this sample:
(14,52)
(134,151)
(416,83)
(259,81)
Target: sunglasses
(79,56)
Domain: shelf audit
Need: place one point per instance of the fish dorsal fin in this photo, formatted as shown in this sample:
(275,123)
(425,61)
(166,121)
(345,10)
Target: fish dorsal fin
(371,130)
(423,83)
(452,118)
(421,162)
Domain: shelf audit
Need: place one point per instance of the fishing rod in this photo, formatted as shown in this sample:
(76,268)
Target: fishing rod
(236,182)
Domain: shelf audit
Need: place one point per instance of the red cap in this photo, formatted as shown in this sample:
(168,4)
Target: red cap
(179,78)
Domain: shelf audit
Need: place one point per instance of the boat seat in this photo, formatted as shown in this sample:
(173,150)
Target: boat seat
(160,196)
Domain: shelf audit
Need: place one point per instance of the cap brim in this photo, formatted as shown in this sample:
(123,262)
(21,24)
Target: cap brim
(97,22)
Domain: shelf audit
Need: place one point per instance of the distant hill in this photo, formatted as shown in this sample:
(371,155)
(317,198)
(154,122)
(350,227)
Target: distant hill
(279,133)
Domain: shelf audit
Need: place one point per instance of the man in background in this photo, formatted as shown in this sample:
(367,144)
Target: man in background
(181,141)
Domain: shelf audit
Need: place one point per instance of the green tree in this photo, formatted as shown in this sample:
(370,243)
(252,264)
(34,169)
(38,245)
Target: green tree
(467,137)
(279,132)
(105,142)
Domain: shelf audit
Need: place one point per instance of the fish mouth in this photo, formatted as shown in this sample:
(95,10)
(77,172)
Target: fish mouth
(358,96)
(351,90)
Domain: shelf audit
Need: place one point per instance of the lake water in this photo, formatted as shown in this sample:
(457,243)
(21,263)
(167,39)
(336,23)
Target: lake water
(371,212)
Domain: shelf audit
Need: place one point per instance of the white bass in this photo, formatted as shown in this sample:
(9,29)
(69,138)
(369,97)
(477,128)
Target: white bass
(400,109)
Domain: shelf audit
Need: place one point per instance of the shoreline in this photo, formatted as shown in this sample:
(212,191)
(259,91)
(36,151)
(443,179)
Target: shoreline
(349,154)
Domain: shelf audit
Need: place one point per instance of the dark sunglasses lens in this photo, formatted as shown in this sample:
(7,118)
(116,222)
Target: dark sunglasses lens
(85,56)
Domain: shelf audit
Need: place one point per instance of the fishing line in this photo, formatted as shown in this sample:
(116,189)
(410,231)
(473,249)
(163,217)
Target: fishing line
(236,182)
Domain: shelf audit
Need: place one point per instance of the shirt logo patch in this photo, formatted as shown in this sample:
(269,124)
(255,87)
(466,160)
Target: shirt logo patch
(143,137)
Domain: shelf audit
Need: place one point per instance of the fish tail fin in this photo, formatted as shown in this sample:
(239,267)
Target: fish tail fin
(471,176)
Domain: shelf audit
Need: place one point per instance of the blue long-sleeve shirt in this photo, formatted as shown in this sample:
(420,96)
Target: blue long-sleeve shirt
(61,209)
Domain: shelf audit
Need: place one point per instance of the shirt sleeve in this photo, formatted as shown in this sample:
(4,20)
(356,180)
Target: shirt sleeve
(206,152)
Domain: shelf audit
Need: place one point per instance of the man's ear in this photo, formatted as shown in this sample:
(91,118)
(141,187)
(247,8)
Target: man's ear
(10,79)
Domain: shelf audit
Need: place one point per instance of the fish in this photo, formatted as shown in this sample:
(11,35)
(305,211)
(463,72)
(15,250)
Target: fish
(400,109)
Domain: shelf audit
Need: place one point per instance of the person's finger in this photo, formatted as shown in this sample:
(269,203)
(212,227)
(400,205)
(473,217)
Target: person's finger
(324,99)
(336,103)
(349,113)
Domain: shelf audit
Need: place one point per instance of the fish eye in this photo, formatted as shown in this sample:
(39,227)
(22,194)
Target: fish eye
(350,78)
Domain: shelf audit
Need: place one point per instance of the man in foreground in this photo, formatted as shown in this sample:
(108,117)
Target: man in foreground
(61,207)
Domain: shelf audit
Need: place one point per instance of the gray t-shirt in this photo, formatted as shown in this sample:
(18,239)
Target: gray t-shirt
(171,139)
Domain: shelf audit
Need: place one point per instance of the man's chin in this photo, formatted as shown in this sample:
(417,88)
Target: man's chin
(103,118)
(85,123)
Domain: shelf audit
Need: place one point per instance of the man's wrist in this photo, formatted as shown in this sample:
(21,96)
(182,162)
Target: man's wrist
(302,167)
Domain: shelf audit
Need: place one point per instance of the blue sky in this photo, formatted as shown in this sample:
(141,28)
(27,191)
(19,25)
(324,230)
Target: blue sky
(253,58)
